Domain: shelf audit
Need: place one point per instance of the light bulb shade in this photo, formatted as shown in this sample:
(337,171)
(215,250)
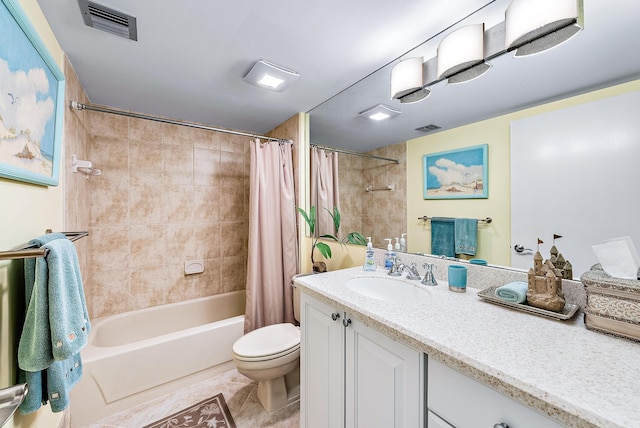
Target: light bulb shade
(271,76)
(406,78)
(460,50)
(534,26)
(379,112)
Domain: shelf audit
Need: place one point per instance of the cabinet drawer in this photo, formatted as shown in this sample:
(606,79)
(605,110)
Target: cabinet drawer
(467,403)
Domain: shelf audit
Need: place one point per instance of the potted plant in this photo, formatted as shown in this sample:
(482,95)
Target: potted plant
(354,238)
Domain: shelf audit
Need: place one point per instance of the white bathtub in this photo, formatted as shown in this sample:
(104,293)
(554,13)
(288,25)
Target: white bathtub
(140,355)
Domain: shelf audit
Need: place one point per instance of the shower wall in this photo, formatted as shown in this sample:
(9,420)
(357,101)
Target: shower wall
(379,214)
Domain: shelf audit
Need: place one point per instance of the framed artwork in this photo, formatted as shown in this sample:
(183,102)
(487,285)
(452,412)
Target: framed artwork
(31,102)
(456,174)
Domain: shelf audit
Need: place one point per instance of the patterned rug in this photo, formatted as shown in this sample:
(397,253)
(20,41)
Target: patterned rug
(210,413)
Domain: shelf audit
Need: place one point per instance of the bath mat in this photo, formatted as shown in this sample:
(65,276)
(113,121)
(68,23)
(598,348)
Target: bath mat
(210,413)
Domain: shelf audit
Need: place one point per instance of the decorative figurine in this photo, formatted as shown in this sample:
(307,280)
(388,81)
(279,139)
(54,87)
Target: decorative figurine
(545,283)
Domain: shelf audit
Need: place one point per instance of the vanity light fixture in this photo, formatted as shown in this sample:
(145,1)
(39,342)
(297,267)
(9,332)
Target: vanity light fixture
(407,81)
(461,55)
(379,112)
(271,76)
(534,26)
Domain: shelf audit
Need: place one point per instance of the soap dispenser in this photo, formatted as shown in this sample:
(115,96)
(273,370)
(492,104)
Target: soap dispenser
(403,243)
(397,246)
(389,255)
(369,262)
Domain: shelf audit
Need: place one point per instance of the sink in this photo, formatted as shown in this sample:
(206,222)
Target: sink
(387,289)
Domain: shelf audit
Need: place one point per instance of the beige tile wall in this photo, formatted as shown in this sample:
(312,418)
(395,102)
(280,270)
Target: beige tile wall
(167,194)
(379,214)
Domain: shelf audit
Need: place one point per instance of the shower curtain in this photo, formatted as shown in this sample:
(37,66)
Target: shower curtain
(325,192)
(272,259)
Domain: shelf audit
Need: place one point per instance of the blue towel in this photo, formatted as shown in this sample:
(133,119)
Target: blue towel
(442,236)
(513,292)
(56,326)
(466,236)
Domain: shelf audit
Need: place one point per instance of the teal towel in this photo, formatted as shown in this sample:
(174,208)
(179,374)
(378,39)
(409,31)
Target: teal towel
(442,236)
(514,292)
(56,327)
(466,236)
(37,303)
(53,384)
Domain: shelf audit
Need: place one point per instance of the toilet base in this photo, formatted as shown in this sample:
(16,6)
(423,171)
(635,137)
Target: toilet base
(274,394)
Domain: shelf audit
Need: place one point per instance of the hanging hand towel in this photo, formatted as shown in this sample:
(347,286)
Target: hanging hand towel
(466,236)
(56,327)
(34,349)
(442,236)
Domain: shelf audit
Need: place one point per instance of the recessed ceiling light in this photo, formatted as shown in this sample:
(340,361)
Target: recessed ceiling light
(379,112)
(271,76)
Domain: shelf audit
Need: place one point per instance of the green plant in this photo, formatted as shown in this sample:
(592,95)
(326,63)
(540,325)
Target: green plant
(354,238)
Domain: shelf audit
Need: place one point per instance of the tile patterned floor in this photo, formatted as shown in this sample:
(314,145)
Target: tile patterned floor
(239,392)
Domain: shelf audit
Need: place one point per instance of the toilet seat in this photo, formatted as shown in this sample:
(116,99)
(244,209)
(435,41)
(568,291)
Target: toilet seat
(267,343)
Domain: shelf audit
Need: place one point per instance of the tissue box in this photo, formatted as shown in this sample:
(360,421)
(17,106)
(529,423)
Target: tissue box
(613,304)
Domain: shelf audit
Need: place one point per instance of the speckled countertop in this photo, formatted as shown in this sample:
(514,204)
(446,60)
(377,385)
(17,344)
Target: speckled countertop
(576,376)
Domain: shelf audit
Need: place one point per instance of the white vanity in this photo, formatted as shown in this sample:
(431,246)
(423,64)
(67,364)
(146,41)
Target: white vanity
(453,360)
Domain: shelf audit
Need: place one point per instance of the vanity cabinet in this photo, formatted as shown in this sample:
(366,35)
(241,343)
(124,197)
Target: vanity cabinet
(355,376)
(457,401)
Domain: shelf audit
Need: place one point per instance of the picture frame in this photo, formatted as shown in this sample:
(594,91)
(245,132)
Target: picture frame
(457,174)
(31,102)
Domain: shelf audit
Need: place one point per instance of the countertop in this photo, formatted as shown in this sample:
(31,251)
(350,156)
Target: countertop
(576,376)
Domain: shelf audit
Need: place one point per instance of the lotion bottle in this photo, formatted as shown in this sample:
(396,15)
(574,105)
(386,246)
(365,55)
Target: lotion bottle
(397,246)
(403,243)
(369,262)
(389,255)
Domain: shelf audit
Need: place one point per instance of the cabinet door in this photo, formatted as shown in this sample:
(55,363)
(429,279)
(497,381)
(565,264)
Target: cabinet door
(435,421)
(384,381)
(321,365)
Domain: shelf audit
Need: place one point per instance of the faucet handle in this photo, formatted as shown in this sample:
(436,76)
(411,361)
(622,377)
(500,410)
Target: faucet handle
(429,278)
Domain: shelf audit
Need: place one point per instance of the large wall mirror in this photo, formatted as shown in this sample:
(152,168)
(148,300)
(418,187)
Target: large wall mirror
(596,64)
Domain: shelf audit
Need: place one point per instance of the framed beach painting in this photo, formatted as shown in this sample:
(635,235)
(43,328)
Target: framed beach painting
(31,102)
(456,174)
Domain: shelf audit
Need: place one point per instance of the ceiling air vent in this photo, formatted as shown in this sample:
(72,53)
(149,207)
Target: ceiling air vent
(428,128)
(109,20)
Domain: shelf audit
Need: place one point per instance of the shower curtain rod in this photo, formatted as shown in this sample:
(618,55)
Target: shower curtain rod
(349,152)
(80,106)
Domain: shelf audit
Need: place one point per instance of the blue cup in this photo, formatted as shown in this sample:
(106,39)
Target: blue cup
(478,262)
(457,278)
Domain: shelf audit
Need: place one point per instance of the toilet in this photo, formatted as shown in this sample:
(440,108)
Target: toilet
(271,356)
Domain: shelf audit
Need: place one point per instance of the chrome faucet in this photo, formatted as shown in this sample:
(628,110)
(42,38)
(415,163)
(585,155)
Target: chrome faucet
(429,278)
(413,272)
(396,267)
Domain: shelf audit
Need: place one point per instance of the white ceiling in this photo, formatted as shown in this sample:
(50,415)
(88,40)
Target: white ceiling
(191,56)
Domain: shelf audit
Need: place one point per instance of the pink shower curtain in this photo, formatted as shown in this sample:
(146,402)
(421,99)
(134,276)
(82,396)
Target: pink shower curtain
(273,246)
(325,192)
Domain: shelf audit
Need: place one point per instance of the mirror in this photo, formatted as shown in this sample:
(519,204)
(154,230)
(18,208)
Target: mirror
(597,57)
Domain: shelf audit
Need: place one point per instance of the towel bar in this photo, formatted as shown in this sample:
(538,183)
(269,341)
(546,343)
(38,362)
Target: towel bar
(483,220)
(27,251)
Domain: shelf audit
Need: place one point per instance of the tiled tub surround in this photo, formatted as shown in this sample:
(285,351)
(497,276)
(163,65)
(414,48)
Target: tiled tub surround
(576,376)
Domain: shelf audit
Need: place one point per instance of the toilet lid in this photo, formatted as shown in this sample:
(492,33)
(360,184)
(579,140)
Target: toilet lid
(269,340)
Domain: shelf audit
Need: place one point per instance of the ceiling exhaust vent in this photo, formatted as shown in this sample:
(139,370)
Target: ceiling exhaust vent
(428,128)
(109,20)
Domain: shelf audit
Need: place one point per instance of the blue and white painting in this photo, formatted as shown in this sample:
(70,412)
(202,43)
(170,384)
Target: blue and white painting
(28,104)
(458,173)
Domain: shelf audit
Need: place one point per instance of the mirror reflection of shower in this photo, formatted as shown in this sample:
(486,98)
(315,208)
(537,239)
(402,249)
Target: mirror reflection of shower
(83,166)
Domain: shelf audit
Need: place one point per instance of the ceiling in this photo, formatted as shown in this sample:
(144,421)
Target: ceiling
(189,62)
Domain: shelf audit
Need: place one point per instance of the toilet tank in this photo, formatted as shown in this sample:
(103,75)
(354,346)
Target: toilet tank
(296,296)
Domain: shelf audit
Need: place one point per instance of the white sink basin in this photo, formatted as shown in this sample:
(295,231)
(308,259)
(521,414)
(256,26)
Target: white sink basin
(388,289)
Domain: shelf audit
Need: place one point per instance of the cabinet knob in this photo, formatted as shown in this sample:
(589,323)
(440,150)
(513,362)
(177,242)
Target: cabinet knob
(335,315)
(346,322)
(501,425)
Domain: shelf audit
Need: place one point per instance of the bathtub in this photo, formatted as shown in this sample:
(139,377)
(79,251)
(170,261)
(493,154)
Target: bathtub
(136,356)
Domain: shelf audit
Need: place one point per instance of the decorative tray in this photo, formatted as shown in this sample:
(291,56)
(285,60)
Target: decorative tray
(569,308)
